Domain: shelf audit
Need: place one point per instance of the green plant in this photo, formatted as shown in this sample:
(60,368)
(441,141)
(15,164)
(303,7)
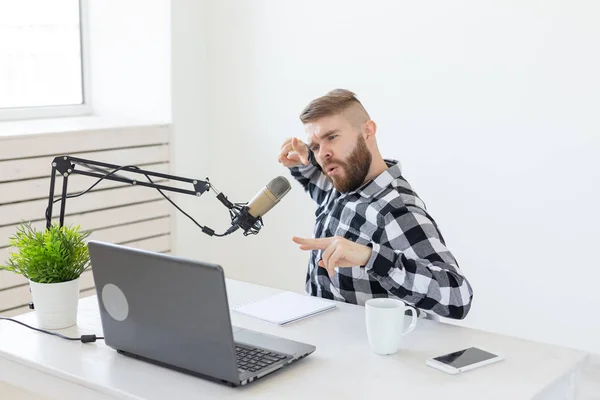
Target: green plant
(58,254)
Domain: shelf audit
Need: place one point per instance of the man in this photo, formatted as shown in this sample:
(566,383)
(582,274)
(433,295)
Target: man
(373,235)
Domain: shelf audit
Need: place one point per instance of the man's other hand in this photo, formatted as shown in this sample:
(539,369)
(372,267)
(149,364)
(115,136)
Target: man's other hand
(338,252)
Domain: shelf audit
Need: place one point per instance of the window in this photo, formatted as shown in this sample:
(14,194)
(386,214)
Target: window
(41,63)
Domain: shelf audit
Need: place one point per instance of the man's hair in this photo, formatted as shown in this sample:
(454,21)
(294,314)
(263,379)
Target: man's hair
(335,102)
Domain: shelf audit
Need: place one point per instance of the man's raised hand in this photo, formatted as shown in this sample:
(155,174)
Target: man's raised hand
(293,153)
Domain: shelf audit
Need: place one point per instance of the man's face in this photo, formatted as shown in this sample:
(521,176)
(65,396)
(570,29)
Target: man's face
(340,150)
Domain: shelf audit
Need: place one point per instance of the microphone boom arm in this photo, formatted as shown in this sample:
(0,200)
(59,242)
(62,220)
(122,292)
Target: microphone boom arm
(65,165)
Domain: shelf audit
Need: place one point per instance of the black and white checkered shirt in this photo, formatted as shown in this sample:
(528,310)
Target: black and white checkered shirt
(409,260)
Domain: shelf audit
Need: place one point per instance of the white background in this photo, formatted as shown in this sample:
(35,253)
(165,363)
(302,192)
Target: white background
(492,108)
(129,52)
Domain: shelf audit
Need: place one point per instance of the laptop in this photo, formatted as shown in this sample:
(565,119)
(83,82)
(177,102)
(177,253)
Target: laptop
(174,312)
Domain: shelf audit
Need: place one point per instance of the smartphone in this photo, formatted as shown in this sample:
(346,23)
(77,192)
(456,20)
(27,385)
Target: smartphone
(463,360)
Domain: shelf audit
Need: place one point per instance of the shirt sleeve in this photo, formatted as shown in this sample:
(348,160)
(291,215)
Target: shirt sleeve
(411,261)
(312,178)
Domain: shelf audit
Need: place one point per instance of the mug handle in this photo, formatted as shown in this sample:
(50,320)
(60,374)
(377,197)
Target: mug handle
(413,320)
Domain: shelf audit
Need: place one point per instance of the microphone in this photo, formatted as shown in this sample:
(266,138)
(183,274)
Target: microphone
(250,215)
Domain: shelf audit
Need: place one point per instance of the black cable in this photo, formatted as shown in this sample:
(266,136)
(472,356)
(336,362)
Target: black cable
(205,229)
(103,171)
(83,338)
(100,180)
(91,187)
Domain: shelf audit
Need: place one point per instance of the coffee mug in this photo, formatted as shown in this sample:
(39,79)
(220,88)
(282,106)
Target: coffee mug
(385,324)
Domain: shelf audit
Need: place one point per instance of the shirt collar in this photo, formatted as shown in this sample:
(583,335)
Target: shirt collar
(381,181)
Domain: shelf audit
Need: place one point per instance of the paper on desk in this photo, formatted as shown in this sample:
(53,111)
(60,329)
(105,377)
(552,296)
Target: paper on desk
(285,307)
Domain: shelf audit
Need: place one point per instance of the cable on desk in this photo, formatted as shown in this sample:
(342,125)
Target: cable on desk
(83,338)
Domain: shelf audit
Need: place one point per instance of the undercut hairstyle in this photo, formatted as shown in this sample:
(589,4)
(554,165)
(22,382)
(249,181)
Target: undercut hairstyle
(337,101)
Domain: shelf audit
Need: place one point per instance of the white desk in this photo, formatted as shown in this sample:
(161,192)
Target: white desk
(343,366)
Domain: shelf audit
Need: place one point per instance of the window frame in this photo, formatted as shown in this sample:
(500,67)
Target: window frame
(37,112)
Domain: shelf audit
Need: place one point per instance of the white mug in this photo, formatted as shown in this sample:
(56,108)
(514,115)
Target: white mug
(385,324)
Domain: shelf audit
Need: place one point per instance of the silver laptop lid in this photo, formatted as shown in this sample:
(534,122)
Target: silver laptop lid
(164,308)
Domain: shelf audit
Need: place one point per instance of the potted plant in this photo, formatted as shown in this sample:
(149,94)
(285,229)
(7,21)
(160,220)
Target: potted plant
(52,260)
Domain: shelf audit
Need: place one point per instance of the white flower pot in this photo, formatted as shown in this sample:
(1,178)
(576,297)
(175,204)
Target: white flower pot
(55,303)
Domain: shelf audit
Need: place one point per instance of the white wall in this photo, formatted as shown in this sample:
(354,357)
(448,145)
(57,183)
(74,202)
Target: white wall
(129,56)
(490,106)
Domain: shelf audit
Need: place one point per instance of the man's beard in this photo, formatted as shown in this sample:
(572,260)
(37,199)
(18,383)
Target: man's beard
(355,168)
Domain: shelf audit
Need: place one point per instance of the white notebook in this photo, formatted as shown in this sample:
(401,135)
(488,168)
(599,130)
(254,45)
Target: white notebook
(284,307)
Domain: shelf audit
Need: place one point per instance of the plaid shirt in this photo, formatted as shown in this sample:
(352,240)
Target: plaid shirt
(409,257)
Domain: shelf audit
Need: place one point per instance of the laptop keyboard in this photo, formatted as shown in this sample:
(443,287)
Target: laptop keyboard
(253,359)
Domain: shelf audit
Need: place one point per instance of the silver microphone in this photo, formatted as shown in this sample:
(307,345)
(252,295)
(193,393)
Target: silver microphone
(260,204)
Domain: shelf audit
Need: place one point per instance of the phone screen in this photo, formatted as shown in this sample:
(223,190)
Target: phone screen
(465,357)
